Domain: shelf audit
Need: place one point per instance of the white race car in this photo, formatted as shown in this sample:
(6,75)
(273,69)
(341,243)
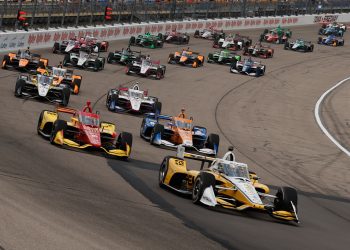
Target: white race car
(84,60)
(132,100)
(146,67)
(210,33)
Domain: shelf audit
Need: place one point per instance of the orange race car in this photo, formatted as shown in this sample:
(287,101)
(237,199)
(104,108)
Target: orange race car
(171,131)
(24,61)
(186,58)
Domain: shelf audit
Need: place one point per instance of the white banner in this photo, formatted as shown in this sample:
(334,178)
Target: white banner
(46,38)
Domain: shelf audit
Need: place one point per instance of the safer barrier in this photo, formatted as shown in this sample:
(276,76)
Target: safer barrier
(46,38)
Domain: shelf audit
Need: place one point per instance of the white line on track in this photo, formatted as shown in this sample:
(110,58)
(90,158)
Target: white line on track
(318,119)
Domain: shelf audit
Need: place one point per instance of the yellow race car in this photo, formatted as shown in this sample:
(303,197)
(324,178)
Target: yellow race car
(226,183)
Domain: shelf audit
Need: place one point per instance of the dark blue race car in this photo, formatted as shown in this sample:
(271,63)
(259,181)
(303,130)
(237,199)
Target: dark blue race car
(171,131)
(331,40)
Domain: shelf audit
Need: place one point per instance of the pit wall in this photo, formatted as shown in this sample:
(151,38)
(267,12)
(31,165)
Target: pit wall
(10,41)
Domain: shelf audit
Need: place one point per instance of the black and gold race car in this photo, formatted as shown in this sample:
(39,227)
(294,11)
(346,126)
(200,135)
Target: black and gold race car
(226,183)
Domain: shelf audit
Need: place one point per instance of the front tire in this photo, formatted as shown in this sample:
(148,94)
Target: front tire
(203,180)
(57,126)
(286,196)
(163,170)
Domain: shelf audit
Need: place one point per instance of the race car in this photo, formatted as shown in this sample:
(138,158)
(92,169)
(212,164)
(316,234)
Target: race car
(277,35)
(84,130)
(23,61)
(226,183)
(132,100)
(75,44)
(63,77)
(259,50)
(42,87)
(147,40)
(124,56)
(84,60)
(299,45)
(176,37)
(147,68)
(186,58)
(233,42)
(210,33)
(170,131)
(331,40)
(223,57)
(249,67)
(336,29)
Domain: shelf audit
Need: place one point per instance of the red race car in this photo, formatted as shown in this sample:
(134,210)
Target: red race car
(75,44)
(258,50)
(84,131)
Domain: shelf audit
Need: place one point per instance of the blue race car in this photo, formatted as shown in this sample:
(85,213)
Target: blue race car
(332,29)
(331,40)
(171,131)
(249,67)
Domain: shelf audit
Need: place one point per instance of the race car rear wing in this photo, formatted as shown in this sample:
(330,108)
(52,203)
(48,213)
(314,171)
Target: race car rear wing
(158,117)
(197,157)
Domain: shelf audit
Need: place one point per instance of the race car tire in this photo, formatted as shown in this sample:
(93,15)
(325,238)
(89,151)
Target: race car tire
(160,36)
(157,108)
(203,180)
(124,139)
(319,41)
(19,87)
(159,74)
(284,197)
(76,85)
(210,57)
(286,45)
(312,48)
(5,61)
(66,60)
(40,121)
(65,96)
(98,45)
(195,64)
(132,40)
(97,66)
(127,70)
(111,98)
(109,57)
(196,33)
(171,59)
(157,129)
(58,125)
(212,140)
(55,48)
(163,170)
(187,40)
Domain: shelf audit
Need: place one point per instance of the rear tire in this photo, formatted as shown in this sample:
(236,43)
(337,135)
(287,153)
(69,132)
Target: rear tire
(76,86)
(19,87)
(157,108)
(5,61)
(203,180)
(65,96)
(212,141)
(132,40)
(55,48)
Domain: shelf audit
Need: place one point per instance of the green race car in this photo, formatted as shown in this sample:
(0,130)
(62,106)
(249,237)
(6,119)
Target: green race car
(223,57)
(148,41)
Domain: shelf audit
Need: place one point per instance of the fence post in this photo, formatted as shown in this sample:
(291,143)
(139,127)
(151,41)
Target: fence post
(3,12)
(244,6)
(91,13)
(33,13)
(64,12)
(49,17)
(78,14)
(120,10)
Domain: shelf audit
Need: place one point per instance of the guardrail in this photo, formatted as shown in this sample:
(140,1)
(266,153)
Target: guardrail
(62,13)
(13,40)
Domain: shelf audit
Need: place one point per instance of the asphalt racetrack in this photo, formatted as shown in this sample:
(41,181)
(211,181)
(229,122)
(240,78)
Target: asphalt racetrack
(53,198)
